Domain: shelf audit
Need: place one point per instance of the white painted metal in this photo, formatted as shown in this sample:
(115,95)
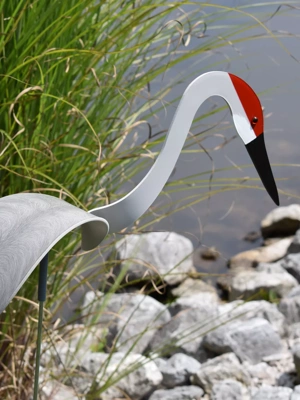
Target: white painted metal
(125,211)
(30,225)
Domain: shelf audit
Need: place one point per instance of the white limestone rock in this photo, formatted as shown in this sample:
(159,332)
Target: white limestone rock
(135,317)
(178,369)
(184,333)
(165,255)
(198,300)
(229,389)
(291,263)
(178,393)
(290,308)
(191,286)
(265,254)
(139,376)
(266,277)
(54,390)
(284,366)
(282,221)
(250,340)
(296,393)
(272,393)
(293,331)
(243,311)
(296,356)
(295,245)
(226,366)
(261,373)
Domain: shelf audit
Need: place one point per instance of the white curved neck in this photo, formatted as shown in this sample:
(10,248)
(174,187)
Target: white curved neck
(128,209)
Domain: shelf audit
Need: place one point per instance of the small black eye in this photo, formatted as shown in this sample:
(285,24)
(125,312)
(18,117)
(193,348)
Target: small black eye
(254,120)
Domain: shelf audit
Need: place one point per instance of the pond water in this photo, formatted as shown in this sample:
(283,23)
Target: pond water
(224,219)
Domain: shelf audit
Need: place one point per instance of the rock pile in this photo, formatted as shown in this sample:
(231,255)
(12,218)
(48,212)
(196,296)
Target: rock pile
(198,346)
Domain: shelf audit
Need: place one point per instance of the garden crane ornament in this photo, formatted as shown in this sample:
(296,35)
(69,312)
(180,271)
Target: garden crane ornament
(31,224)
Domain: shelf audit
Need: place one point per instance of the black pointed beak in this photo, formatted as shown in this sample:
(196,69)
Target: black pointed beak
(258,153)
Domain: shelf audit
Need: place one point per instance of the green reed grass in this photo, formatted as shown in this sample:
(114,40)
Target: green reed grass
(76,101)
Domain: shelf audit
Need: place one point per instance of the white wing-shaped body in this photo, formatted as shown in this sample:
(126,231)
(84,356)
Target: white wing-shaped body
(30,225)
(125,211)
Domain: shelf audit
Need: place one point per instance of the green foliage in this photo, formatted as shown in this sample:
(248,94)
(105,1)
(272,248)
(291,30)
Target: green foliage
(268,295)
(75,87)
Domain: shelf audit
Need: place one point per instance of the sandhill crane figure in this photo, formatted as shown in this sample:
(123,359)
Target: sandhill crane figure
(31,224)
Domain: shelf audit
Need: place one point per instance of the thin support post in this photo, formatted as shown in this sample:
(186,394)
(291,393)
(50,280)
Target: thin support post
(42,289)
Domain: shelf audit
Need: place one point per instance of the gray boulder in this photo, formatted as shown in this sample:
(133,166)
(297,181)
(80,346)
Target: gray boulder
(295,245)
(244,311)
(282,221)
(290,308)
(70,344)
(229,390)
(265,254)
(132,374)
(163,255)
(178,369)
(296,393)
(80,338)
(275,370)
(266,277)
(296,356)
(272,393)
(250,340)
(179,393)
(61,355)
(136,375)
(184,333)
(291,263)
(54,390)
(160,362)
(294,292)
(208,299)
(134,318)
(191,286)
(293,331)
(218,369)
(261,373)
(284,365)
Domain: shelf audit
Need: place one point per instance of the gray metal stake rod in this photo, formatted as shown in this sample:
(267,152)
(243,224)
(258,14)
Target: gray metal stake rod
(42,289)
